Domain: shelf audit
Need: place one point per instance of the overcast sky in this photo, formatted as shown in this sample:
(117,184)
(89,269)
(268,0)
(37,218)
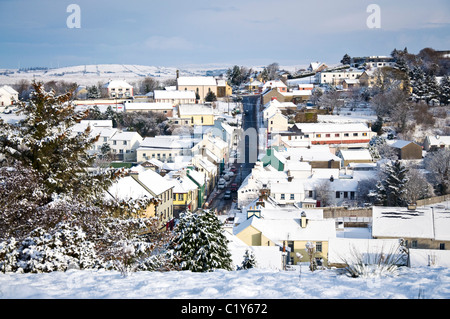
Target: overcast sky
(244,32)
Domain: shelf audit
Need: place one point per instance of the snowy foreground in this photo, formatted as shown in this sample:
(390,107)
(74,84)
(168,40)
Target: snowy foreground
(408,283)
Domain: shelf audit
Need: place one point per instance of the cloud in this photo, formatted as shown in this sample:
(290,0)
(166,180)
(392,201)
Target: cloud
(162,43)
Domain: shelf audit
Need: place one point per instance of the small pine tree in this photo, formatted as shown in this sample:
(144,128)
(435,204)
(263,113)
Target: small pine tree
(392,190)
(249,260)
(210,97)
(200,244)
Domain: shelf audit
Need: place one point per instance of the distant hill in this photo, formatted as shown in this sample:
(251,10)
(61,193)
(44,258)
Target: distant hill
(92,74)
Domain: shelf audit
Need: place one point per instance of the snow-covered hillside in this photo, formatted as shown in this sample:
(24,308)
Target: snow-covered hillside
(409,283)
(92,74)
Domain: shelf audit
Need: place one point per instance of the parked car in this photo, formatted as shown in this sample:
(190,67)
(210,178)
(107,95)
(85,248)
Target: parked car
(234,187)
(221,184)
(227,195)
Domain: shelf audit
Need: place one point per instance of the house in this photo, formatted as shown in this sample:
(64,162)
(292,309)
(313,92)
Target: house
(223,88)
(336,77)
(290,230)
(270,94)
(185,195)
(317,67)
(273,84)
(353,134)
(261,177)
(317,156)
(407,150)
(124,145)
(215,150)
(354,156)
(141,184)
(159,188)
(426,227)
(174,97)
(253,85)
(164,108)
(119,89)
(274,159)
(166,147)
(209,169)
(349,84)
(434,143)
(127,189)
(373,62)
(201,85)
(199,179)
(195,114)
(288,193)
(103,129)
(277,122)
(8,96)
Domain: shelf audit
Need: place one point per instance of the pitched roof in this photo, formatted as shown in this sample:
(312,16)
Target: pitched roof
(196,81)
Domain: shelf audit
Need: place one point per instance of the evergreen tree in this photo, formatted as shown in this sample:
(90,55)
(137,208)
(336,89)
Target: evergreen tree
(43,140)
(444,91)
(93,92)
(392,190)
(210,97)
(200,244)
(249,260)
(346,59)
(432,87)
(418,83)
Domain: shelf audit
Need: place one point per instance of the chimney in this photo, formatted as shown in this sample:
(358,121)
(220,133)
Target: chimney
(303,220)
(178,74)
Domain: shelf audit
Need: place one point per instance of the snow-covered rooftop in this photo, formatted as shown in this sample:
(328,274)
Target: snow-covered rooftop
(196,81)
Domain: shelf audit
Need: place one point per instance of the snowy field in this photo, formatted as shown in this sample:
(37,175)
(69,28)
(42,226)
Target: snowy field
(408,283)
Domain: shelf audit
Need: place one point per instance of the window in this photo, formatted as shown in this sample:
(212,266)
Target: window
(105,139)
(338,194)
(345,194)
(346,134)
(442,246)
(121,151)
(336,135)
(364,134)
(327,135)
(310,194)
(355,134)
(319,246)
(292,196)
(318,135)
(180,196)
(124,142)
(352,195)
(414,244)
(282,196)
(114,142)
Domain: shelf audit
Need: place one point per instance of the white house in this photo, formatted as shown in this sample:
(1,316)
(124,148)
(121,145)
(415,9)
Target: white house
(433,143)
(125,144)
(8,96)
(166,147)
(119,89)
(174,96)
(336,77)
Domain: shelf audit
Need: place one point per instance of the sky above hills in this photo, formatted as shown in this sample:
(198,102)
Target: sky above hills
(197,32)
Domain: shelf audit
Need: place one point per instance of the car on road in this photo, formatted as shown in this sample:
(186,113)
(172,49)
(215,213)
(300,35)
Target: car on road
(221,184)
(227,195)
(234,187)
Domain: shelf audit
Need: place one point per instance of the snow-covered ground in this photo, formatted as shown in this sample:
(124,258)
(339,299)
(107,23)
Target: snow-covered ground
(409,283)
